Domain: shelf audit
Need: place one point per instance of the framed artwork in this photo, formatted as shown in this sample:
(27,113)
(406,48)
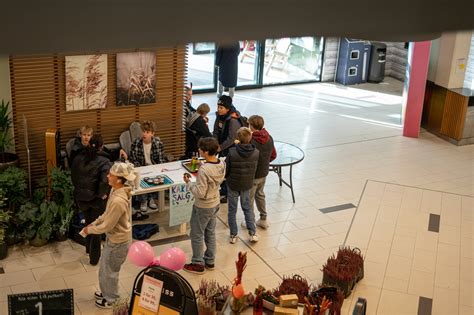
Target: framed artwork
(86,82)
(136,78)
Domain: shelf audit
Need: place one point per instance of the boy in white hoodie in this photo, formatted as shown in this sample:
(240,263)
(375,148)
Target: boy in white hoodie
(205,208)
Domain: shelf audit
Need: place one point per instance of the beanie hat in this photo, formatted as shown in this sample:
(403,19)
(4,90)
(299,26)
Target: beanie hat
(125,170)
(225,101)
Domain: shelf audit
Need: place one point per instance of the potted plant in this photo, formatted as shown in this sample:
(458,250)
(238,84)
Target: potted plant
(4,219)
(293,285)
(62,191)
(212,298)
(7,159)
(13,184)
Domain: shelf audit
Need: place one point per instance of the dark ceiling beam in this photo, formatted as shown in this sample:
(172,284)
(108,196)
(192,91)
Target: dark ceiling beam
(46,26)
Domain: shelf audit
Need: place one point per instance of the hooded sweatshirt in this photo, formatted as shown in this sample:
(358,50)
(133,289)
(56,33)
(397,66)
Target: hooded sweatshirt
(264,143)
(116,220)
(241,166)
(206,188)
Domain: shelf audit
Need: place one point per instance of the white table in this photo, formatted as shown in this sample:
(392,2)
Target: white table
(174,170)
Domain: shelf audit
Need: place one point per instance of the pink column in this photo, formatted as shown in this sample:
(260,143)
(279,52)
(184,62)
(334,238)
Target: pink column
(414,91)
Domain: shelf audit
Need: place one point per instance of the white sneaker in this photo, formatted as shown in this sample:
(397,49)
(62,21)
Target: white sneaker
(254,238)
(262,223)
(143,207)
(233,239)
(152,205)
(243,224)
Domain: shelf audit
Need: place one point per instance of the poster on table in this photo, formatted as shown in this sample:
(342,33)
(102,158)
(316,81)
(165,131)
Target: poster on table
(86,82)
(136,78)
(181,204)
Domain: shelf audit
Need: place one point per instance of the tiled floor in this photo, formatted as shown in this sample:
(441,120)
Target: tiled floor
(406,259)
(350,144)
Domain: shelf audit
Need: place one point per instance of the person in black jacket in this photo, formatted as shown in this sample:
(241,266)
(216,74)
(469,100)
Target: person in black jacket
(80,142)
(241,164)
(89,176)
(227,61)
(197,128)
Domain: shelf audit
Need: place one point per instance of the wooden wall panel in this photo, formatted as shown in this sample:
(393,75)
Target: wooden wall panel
(435,117)
(38,93)
(454,115)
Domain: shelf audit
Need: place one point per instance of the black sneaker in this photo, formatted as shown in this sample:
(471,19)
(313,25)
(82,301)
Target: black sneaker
(209,266)
(194,268)
(98,295)
(139,216)
(102,303)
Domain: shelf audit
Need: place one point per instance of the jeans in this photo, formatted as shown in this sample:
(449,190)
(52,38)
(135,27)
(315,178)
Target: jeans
(220,90)
(257,195)
(113,256)
(146,197)
(232,199)
(203,227)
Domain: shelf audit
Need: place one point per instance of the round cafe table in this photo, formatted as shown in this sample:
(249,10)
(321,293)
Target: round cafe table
(287,156)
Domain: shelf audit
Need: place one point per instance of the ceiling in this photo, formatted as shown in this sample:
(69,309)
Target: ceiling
(52,26)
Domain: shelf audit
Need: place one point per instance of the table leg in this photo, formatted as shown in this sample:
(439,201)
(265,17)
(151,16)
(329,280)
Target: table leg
(291,183)
(161,197)
(278,170)
(182,228)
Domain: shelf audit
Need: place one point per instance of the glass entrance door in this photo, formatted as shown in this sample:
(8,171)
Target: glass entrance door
(201,57)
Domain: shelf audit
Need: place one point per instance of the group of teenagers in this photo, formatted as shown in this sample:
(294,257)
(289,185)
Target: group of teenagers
(103,190)
(248,152)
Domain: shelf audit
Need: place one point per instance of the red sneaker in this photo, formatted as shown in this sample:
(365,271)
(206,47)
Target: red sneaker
(194,268)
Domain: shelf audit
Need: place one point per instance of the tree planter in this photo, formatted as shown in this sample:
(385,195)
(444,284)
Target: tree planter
(60,236)
(38,242)
(3,250)
(7,160)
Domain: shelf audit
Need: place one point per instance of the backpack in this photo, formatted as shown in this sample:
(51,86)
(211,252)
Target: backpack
(144,231)
(244,121)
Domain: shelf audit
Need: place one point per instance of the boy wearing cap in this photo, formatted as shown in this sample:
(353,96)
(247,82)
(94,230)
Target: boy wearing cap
(241,164)
(225,130)
(116,223)
(205,208)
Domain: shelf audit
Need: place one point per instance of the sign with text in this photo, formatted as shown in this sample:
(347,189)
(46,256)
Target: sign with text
(42,303)
(150,293)
(181,204)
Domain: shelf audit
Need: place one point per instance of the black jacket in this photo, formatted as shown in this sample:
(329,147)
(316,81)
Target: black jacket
(225,129)
(227,58)
(241,164)
(195,129)
(90,179)
(264,143)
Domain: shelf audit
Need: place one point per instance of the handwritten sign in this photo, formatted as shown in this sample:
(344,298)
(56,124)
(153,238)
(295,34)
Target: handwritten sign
(45,302)
(150,294)
(181,204)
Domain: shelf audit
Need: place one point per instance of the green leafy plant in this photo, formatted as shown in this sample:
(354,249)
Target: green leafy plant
(13,183)
(5,125)
(62,191)
(4,216)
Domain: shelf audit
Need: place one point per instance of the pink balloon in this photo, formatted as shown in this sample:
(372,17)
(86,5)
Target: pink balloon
(173,258)
(141,254)
(156,261)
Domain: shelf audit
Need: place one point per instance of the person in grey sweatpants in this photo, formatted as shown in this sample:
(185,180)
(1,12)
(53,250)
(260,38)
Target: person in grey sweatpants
(117,224)
(205,208)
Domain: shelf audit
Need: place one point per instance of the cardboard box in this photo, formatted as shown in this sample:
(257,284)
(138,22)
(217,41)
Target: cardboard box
(289,300)
(285,311)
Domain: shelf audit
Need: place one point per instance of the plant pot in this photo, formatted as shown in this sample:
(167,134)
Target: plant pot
(38,242)
(60,236)
(3,250)
(12,238)
(7,160)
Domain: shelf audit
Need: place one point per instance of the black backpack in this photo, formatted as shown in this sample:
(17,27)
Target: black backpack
(244,121)
(177,294)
